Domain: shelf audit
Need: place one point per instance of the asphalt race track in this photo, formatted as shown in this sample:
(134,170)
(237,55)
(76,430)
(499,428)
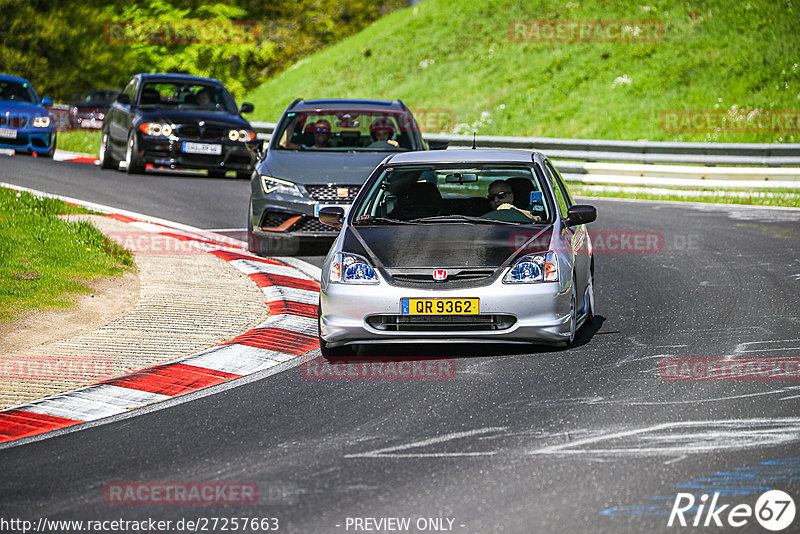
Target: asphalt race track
(520,439)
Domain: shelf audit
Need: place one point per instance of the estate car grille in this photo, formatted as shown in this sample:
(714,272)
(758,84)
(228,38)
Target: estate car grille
(330,193)
(440,323)
(452,276)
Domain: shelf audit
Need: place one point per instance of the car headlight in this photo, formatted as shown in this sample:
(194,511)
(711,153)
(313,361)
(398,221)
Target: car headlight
(241,135)
(542,267)
(270,184)
(41,122)
(349,268)
(156,129)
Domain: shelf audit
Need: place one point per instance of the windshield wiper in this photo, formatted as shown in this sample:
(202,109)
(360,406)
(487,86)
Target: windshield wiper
(462,218)
(380,220)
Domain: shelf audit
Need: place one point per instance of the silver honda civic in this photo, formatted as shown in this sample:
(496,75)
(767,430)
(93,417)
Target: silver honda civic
(458,245)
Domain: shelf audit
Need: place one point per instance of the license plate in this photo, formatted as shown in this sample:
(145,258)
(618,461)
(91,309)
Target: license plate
(439,306)
(318,207)
(8,133)
(202,148)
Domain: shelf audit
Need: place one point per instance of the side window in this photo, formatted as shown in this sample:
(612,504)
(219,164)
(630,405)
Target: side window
(557,191)
(560,182)
(130,90)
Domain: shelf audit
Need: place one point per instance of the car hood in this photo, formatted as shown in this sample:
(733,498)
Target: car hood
(21,109)
(307,167)
(190,117)
(445,245)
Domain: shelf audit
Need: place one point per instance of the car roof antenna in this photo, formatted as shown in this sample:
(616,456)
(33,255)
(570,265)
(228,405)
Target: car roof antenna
(473,140)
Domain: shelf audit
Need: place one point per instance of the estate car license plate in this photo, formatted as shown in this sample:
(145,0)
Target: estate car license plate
(202,148)
(8,133)
(439,306)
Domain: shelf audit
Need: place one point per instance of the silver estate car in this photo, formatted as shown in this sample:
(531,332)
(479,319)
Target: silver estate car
(458,245)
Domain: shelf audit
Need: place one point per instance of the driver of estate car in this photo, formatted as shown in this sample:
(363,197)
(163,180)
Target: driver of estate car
(501,199)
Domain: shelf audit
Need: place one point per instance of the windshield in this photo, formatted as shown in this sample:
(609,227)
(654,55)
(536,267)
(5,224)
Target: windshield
(100,96)
(17,92)
(187,97)
(451,194)
(348,130)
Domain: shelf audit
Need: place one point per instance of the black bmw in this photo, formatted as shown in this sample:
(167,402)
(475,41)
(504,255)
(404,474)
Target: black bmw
(178,122)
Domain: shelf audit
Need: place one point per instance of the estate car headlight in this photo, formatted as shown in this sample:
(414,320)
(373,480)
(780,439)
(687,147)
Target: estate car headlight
(41,122)
(241,135)
(270,184)
(533,268)
(157,129)
(349,268)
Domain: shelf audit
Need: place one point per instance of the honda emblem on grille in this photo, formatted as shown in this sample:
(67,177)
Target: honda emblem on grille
(440,274)
(341,192)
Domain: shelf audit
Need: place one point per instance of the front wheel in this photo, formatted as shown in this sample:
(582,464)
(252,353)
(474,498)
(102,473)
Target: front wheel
(573,319)
(216,173)
(105,157)
(133,161)
(50,153)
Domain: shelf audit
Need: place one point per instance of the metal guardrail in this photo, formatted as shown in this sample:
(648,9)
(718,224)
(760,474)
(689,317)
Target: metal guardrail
(750,154)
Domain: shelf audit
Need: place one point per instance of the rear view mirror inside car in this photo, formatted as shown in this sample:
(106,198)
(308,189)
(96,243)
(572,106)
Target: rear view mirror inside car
(459,178)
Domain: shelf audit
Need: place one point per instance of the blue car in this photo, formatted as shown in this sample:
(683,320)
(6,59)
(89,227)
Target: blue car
(25,124)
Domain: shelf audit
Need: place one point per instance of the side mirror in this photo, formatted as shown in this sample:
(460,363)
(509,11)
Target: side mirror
(247,107)
(580,214)
(47,102)
(438,145)
(124,99)
(332,216)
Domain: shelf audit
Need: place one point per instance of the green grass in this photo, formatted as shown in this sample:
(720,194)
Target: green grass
(458,57)
(44,260)
(770,197)
(83,141)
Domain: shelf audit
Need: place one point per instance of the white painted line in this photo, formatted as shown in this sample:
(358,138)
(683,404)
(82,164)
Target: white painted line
(305,296)
(73,407)
(714,435)
(118,396)
(293,323)
(255,266)
(390,452)
(236,359)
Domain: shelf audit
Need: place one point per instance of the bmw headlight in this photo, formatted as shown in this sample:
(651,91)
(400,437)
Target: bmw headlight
(349,268)
(241,135)
(542,267)
(157,129)
(41,122)
(270,184)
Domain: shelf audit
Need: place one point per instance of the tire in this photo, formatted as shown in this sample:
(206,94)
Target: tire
(573,321)
(106,158)
(244,175)
(326,350)
(589,317)
(216,173)
(134,163)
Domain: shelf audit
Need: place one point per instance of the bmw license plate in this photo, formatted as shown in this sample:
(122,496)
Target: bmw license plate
(8,133)
(439,306)
(202,148)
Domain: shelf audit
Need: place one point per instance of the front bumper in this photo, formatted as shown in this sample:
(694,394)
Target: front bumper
(235,156)
(30,140)
(539,313)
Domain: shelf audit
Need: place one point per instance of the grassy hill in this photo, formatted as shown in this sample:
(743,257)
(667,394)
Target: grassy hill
(457,63)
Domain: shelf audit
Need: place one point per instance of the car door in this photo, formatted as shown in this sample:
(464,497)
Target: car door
(121,116)
(576,236)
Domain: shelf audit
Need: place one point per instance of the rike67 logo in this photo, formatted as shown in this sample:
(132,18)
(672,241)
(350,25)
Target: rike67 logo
(774,510)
